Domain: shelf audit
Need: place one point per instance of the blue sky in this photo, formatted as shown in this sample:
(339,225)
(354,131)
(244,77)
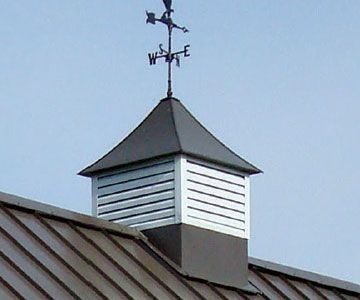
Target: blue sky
(277,81)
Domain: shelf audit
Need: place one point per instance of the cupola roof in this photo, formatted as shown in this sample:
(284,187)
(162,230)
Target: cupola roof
(169,129)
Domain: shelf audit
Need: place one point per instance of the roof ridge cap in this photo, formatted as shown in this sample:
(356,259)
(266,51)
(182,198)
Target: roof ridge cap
(170,98)
(48,210)
(304,274)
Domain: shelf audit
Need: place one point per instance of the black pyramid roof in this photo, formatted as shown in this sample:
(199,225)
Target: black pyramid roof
(169,129)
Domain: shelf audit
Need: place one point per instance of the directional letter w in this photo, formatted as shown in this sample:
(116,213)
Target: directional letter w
(153,58)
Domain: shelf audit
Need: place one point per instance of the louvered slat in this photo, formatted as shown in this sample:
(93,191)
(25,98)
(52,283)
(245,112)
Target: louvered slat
(137,197)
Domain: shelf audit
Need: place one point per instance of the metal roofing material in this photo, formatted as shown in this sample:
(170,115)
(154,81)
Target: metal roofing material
(169,129)
(50,253)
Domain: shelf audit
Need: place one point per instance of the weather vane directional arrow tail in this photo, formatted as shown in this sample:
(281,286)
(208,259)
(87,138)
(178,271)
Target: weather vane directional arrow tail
(168,55)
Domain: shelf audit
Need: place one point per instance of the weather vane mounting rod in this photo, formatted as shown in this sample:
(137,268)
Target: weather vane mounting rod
(168,54)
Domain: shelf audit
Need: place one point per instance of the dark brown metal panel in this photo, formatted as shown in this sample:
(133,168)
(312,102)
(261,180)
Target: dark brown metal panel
(244,296)
(32,207)
(49,257)
(312,277)
(230,294)
(346,295)
(206,290)
(124,264)
(142,265)
(248,296)
(281,285)
(351,297)
(280,294)
(100,249)
(19,280)
(45,258)
(304,288)
(120,284)
(257,297)
(179,277)
(262,286)
(340,296)
(7,291)
(29,268)
(144,255)
(61,257)
(294,287)
(15,244)
(319,294)
(74,257)
(329,293)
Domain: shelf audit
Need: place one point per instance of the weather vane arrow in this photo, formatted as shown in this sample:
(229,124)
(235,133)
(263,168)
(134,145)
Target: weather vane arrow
(168,55)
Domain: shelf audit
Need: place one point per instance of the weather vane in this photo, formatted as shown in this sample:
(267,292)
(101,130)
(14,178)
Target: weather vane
(168,54)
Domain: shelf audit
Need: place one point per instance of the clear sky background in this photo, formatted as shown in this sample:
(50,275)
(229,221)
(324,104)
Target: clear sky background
(277,81)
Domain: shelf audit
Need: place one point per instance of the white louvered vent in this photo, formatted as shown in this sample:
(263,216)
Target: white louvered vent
(141,197)
(178,190)
(214,197)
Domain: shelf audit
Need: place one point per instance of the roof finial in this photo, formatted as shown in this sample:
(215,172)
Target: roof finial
(168,55)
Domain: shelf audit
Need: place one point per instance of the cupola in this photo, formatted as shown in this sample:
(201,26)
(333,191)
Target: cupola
(184,189)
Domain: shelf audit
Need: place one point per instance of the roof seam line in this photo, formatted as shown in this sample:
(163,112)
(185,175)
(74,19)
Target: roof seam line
(55,277)
(174,123)
(11,288)
(49,249)
(143,243)
(138,262)
(84,258)
(113,261)
(271,285)
(24,275)
(40,264)
(213,136)
(216,291)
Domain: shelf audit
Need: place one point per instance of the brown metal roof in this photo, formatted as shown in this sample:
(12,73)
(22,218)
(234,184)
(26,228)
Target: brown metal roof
(50,253)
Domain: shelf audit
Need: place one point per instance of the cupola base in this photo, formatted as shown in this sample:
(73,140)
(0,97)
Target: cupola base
(204,254)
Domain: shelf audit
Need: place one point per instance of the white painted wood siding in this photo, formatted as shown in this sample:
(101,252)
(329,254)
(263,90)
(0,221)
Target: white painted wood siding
(215,198)
(178,190)
(141,197)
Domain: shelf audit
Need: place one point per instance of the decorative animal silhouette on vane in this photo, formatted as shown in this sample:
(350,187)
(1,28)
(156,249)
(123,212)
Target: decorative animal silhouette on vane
(168,55)
(165,18)
(168,4)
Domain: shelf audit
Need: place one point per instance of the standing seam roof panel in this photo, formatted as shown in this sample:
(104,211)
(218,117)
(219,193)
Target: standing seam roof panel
(42,246)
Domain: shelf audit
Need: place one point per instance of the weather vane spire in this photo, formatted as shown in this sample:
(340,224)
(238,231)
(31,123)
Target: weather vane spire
(168,54)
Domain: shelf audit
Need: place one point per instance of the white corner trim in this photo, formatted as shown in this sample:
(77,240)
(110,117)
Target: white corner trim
(184,189)
(94,201)
(180,188)
(247,207)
